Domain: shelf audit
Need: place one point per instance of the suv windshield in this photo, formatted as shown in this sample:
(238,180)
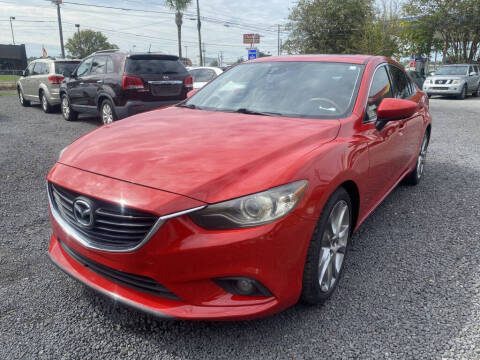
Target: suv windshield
(143,65)
(293,89)
(65,68)
(452,70)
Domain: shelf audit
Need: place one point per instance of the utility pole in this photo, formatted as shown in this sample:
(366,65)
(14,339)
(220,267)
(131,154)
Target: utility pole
(204,50)
(58,2)
(278,40)
(78,29)
(199,26)
(11,27)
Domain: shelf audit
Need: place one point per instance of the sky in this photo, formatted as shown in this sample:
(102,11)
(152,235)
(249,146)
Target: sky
(151,24)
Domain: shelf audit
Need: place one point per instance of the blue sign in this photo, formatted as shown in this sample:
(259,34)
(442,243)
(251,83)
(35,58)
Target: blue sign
(252,54)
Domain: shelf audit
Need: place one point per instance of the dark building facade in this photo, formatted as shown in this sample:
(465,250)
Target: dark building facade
(13,57)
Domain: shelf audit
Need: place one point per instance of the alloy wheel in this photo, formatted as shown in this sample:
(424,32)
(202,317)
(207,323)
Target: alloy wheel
(20,97)
(65,107)
(107,114)
(44,103)
(422,157)
(334,246)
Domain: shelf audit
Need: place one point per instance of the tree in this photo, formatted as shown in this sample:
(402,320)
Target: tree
(328,26)
(85,42)
(214,63)
(179,6)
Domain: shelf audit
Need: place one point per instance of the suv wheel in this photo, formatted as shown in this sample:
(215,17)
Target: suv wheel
(21,99)
(463,94)
(46,107)
(107,112)
(476,93)
(67,112)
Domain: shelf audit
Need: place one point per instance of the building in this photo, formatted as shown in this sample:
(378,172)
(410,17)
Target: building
(13,57)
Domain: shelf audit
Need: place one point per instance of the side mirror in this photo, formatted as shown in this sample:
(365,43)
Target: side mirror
(473,73)
(391,109)
(191,93)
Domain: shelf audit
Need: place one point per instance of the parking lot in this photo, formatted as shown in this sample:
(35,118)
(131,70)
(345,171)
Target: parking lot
(411,286)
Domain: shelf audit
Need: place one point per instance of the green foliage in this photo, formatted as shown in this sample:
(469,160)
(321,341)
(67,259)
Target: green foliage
(328,26)
(213,63)
(179,6)
(85,42)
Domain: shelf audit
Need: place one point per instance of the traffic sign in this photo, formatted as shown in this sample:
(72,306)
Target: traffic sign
(252,54)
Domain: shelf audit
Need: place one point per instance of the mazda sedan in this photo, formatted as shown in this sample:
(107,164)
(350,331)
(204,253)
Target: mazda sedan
(242,200)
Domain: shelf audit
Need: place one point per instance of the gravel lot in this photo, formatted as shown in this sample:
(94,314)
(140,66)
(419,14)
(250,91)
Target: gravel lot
(411,287)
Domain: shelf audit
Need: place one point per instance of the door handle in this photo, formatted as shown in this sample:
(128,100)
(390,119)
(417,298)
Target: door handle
(82,83)
(100,81)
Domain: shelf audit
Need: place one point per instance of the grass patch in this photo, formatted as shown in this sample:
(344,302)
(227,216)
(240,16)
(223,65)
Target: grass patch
(8,78)
(8,93)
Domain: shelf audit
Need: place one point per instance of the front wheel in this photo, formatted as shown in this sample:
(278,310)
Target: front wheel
(68,113)
(21,99)
(327,250)
(463,94)
(416,175)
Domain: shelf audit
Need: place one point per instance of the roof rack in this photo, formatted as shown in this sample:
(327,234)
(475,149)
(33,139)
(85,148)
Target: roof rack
(106,51)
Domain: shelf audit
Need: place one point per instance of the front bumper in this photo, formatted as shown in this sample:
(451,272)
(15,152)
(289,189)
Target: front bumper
(443,89)
(184,258)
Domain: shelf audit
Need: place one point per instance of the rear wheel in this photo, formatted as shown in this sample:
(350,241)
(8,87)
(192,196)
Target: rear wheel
(46,107)
(21,99)
(477,92)
(463,94)
(327,250)
(107,112)
(67,112)
(416,175)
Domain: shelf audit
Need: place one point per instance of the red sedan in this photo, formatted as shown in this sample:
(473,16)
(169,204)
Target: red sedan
(240,201)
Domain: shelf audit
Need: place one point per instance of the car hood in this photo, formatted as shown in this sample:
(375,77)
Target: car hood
(206,155)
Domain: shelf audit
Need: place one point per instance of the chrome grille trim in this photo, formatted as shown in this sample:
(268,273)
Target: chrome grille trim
(110,245)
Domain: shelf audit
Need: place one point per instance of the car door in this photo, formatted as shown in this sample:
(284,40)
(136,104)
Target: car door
(383,144)
(472,78)
(39,72)
(76,86)
(26,86)
(93,81)
(409,129)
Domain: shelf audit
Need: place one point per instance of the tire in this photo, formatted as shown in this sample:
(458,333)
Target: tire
(320,274)
(429,95)
(476,93)
(463,94)
(46,107)
(21,99)
(107,112)
(416,175)
(68,113)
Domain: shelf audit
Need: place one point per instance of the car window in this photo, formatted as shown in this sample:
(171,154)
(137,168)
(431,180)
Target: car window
(145,66)
(99,65)
(202,75)
(110,68)
(401,84)
(65,68)
(38,68)
(29,70)
(379,90)
(307,89)
(84,67)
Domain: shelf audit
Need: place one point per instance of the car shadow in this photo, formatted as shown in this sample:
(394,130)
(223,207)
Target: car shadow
(408,271)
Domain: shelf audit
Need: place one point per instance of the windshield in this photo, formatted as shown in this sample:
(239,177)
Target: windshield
(452,70)
(293,89)
(65,68)
(154,66)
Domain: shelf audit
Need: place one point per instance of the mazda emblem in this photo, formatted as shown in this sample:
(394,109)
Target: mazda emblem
(83,212)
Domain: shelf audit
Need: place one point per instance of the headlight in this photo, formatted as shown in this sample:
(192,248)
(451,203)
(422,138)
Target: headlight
(61,152)
(456,81)
(428,81)
(251,210)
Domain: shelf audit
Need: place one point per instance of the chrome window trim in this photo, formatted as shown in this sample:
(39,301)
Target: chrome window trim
(370,87)
(83,240)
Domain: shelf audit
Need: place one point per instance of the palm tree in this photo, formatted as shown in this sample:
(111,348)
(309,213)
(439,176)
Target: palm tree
(179,6)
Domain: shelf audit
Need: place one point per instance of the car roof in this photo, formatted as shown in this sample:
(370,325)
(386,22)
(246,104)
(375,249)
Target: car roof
(352,59)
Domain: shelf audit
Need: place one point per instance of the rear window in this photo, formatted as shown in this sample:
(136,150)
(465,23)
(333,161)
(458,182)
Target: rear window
(154,66)
(65,67)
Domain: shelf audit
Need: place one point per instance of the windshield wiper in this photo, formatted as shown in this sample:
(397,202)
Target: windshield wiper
(188,106)
(253,112)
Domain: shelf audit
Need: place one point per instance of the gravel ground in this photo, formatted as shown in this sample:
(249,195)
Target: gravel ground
(411,287)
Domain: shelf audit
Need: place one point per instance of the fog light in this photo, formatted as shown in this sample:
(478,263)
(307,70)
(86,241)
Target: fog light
(242,286)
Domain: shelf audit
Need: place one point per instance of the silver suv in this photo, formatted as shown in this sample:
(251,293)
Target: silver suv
(41,82)
(458,80)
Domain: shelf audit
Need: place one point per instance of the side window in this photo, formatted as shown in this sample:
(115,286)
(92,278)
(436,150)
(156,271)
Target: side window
(84,67)
(401,84)
(29,70)
(379,90)
(470,69)
(99,65)
(37,69)
(110,68)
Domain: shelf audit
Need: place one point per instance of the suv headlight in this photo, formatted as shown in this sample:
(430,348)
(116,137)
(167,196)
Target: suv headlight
(251,210)
(456,81)
(428,81)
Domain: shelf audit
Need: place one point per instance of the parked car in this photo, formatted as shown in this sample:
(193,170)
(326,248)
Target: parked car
(114,85)
(243,199)
(458,80)
(41,80)
(417,77)
(202,75)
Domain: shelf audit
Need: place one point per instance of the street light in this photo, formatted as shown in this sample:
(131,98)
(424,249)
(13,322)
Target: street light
(11,27)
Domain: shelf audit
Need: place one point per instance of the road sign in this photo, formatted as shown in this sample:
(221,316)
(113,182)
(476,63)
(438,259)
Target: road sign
(251,38)
(252,54)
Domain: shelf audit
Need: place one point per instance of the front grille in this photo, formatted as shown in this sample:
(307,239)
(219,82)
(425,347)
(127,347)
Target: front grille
(138,282)
(439,88)
(441,81)
(114,227)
